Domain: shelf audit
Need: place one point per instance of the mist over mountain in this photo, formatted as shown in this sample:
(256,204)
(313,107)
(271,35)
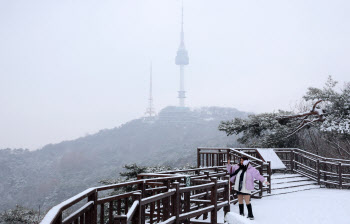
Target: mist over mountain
(56,172)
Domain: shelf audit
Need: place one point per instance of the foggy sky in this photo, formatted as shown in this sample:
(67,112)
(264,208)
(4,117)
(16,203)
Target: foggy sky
(72,67)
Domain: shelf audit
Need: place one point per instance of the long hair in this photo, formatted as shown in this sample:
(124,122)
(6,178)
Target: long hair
(241,166)
(244,158)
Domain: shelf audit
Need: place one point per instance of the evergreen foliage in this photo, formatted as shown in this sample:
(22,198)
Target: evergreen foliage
(20,215)
(329,138)
(261,130)
(337,107)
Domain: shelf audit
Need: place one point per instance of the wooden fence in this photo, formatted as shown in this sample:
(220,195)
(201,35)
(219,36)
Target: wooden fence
(178,196)
(207,157)
(329,172)
(161,198)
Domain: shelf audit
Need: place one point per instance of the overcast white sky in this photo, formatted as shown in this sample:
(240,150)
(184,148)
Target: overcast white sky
(73,67)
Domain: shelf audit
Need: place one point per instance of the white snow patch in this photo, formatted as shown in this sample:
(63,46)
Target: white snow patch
(234,218)
(317,206)
(270,155)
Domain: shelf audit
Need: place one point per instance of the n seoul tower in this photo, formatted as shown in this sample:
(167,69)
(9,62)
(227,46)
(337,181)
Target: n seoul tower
(181,59)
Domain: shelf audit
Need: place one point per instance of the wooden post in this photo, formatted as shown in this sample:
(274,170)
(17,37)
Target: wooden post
(119,207)
(166,203)
(187,202)
(198,157)
(158,211)
(269,175)
(212,159)
(82,219)
(218,163)
(227,196)
(136,219)
(292,161)
(324,174)
(340,170)
(151,212)
(126,206)
(205,215)
(102,214)
(142,188)
(58,220)
(110,213)
(207,159)
(177,202)
(228,155)
(93,197)
(318,172)
(88,217)
(260,184)
(214,199)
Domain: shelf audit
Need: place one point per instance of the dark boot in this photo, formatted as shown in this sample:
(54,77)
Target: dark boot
(241,209)
(250,212)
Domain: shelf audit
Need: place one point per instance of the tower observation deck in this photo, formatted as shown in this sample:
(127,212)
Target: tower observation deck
(181,59)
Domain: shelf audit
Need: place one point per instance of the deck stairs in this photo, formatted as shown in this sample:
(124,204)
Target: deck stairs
(289,183)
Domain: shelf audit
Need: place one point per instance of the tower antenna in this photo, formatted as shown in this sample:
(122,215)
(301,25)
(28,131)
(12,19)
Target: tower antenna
(150,110)
(182,59)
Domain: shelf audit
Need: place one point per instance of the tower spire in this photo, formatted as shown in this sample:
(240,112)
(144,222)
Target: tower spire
(181,59)
(150,110)
(182,23)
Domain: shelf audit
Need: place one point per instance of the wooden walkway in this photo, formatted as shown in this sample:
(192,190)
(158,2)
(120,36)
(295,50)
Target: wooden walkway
(189,196)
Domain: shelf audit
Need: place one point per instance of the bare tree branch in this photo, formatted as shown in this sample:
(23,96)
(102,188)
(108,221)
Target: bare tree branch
(338,147)
(304,118)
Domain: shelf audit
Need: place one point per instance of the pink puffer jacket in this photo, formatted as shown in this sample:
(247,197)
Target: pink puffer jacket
(252,174)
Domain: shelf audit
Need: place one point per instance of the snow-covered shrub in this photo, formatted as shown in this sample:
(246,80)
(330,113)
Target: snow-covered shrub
(20,215)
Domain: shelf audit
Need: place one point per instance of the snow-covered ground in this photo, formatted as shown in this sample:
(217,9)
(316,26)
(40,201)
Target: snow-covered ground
(316,206)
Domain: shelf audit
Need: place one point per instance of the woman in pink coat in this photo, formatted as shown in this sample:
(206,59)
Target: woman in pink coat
(242,178)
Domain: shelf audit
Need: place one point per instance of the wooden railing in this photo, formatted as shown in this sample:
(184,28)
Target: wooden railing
(207,157)
(160,198)
(176,196)
(182,196)
(329,172)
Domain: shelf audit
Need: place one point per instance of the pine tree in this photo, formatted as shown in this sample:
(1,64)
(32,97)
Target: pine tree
(330,135)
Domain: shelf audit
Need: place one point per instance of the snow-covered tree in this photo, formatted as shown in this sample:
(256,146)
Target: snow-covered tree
(324,129)
(20,215)
(261,130)
(336,105)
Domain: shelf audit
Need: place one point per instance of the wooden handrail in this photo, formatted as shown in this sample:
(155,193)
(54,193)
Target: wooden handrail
(327,171)
(57,210)
(198,187)
(132,210)
(156,197)
(78,213)
(115,197)
(158,193)
(311,154)
(55,214)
